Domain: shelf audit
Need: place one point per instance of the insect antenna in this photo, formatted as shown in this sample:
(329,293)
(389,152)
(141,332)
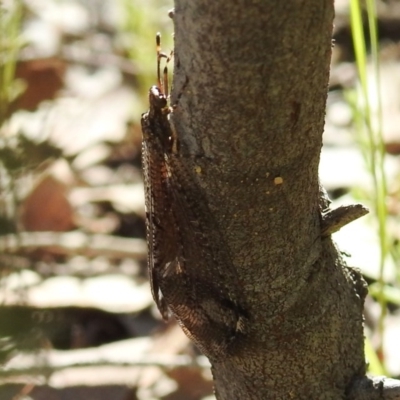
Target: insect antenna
(166,84)
(159,56)
(162,83)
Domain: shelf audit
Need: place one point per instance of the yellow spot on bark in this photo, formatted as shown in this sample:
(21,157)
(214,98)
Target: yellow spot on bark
(278,180)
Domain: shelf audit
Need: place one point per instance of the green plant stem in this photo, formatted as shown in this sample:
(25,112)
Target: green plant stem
(10,45)
(380,150)
(372,123)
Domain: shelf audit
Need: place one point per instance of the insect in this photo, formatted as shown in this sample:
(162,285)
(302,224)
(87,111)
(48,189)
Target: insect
(191,273)
(156,143)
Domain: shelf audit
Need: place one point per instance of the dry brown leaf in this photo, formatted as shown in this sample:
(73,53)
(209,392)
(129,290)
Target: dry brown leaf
(47,208)
(43,79)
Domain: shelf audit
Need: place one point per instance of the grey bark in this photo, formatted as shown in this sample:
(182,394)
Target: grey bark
(250,86)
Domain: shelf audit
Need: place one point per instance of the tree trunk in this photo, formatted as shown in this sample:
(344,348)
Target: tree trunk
(259,285)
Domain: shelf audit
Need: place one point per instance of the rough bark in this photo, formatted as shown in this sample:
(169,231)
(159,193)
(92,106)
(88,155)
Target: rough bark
(250,85)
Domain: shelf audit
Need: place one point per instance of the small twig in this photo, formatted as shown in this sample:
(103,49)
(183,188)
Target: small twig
(35,366)
(333,220)
(72,243)
(378,387)
(23,393)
